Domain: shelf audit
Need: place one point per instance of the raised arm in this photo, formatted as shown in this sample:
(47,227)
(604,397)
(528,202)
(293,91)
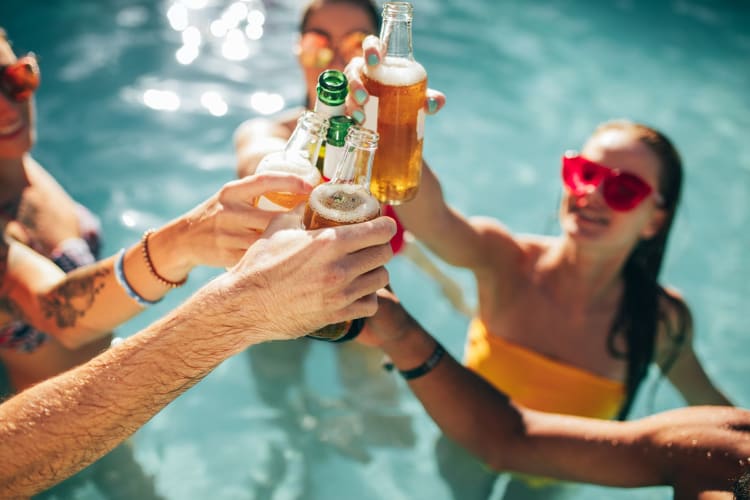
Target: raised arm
(290,282)
(79,307)
(445,231)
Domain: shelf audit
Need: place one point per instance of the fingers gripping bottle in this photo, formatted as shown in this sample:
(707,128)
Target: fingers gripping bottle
(298,157)
(332,90)
(346,199)
(397,89)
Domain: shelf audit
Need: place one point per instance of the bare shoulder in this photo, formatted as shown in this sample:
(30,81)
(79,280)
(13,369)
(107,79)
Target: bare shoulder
(506,247)
(493,233)
(280,125)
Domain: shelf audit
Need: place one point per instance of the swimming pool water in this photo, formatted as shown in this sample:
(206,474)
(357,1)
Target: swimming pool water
(140,137)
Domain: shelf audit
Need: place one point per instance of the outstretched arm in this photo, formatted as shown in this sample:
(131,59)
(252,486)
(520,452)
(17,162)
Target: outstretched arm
(79,307)
(510,437)
(289,283)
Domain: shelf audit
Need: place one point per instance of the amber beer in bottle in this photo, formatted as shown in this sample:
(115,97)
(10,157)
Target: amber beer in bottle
(298,157)
(397,89)
(346,199)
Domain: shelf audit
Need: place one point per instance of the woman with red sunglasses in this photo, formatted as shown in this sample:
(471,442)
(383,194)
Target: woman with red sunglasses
(570,324)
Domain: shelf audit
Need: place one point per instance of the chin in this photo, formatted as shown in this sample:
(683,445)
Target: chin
(16,149)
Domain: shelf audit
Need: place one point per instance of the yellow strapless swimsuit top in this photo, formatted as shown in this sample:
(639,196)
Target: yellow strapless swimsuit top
(539,382)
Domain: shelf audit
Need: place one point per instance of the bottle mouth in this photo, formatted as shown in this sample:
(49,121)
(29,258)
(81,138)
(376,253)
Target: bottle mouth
(402,10)
(332,86)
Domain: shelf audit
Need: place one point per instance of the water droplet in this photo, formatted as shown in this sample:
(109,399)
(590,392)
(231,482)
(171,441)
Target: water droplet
(708,454)
(669,445)
(694,442)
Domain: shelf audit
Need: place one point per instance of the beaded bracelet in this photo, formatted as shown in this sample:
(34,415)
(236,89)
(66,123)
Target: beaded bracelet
(422,369)
(123,281)
(147,257)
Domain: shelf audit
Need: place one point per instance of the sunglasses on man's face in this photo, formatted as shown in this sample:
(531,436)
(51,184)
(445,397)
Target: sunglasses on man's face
(18,80)
(621,191)
(317,50)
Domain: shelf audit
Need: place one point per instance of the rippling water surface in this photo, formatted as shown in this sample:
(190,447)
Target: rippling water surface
(136,113)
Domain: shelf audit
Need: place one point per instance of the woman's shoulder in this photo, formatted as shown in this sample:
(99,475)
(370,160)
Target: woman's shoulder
(279,125)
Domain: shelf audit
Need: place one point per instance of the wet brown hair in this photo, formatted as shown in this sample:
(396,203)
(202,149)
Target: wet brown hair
(640,314)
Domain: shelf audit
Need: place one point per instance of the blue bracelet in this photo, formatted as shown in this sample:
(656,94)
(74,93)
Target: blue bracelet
(123,281)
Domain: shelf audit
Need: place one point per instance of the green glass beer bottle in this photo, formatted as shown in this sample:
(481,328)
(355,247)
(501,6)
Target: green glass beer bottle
(335,139)
(332,90)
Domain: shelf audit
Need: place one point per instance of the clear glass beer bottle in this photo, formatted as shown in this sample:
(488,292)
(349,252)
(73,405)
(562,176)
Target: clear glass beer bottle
(397,88)
(299,157)
(332,90)
(346,199)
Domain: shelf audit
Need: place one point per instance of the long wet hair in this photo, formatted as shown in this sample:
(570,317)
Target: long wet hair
(640,314)
(366,5)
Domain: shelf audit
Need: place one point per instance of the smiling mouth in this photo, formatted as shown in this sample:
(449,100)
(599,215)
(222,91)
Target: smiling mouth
(590,218)
(11,129)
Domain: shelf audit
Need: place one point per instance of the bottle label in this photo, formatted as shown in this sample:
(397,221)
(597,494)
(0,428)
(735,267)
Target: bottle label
(332,158)
(420,124)
(329,111)
(371,113)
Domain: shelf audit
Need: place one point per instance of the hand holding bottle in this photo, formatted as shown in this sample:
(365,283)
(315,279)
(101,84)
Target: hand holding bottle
(218,231)
(372,55)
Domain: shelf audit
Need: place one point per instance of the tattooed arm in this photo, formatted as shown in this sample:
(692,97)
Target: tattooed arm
(281,289)
(79,307)
(75,308)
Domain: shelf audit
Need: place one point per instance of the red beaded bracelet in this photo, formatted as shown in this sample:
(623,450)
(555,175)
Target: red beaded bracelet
(147,257)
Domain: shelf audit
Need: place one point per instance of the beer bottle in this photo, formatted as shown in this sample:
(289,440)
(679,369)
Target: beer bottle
(298,157)
(337,130)
(346,199)
(397,89)
(332,89)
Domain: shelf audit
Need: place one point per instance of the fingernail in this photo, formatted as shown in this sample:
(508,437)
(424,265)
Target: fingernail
(358,116)
(372,59)
(432,105)
(359,96)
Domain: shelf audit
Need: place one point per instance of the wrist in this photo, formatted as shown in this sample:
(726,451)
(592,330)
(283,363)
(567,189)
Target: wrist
(410,348)
(166,255)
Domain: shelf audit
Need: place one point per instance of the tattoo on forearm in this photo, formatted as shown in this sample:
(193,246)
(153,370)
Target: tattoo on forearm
(73,299)
(11,308)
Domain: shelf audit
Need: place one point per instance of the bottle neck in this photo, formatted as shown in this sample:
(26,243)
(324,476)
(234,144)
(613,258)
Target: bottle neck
(395,33)
(355,166)
(308,136)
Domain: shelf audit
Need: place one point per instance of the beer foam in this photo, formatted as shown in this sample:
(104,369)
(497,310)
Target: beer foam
(344,203)
(397,72)
(290,163)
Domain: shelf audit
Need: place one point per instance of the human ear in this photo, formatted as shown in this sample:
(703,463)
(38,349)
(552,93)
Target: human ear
(658,218)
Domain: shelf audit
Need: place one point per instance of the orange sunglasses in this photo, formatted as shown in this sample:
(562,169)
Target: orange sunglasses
(18,80)
(316,48)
